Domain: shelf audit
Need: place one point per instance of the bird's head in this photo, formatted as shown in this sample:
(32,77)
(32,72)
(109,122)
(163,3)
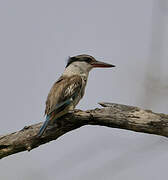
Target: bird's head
(87,62)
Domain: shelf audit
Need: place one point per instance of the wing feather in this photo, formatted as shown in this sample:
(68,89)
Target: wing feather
(62,91)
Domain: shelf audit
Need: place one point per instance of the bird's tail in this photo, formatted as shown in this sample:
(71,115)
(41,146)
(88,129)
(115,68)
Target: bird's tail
(60,107)
(44,126)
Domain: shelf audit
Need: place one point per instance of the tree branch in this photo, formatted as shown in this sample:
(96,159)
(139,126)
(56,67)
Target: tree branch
(112,115)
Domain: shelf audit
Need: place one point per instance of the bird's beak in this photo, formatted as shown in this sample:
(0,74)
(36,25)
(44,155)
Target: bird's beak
(101,64)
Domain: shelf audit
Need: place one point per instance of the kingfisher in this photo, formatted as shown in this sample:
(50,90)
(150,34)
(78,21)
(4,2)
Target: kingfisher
(69,89)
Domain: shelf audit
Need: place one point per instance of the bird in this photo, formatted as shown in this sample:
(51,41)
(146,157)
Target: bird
(69,89)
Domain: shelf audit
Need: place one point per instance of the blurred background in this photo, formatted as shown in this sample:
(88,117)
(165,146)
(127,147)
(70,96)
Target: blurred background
(36,38)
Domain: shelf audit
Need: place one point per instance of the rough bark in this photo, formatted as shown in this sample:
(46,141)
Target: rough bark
(112,115)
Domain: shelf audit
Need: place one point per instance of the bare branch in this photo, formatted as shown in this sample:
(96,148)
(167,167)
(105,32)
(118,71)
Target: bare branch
(112,115)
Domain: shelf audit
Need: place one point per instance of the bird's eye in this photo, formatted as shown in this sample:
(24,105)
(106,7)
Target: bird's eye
(88,60)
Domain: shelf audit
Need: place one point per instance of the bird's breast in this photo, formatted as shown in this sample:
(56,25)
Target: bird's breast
(82,91)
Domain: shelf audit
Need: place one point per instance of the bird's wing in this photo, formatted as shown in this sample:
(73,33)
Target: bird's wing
(60,96)
(62,93)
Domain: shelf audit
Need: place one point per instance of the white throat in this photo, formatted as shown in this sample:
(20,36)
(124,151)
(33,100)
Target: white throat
(78,68)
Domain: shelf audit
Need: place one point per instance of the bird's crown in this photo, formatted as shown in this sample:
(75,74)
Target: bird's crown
(84,57)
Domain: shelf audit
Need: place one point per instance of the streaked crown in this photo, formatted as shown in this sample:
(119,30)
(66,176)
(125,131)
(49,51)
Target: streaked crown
(84,57)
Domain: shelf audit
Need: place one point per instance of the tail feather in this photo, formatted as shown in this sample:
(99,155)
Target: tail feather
(43,127)
(60,107)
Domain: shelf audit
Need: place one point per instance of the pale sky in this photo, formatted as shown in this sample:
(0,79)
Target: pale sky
(36,38)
